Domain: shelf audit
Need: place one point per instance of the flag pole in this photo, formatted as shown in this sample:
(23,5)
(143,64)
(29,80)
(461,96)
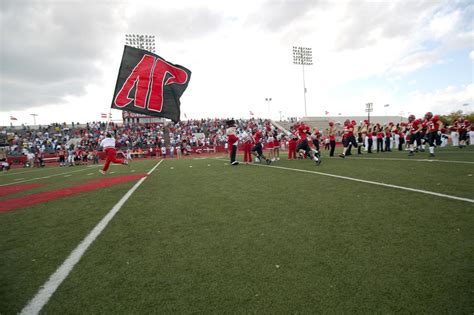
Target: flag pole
(108,120)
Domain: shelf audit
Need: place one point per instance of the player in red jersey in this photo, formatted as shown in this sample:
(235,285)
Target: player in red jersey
(62,156)
(433,131)
(303,147)
(413,128)
(257,149)
(464,126)
(348,137)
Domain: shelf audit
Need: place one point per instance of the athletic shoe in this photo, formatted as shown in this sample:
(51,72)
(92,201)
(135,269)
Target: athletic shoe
(257,160)
(318,162)
(102,172)
(125,162)
(411,154)
(235,163)
(269,161)
(342,155)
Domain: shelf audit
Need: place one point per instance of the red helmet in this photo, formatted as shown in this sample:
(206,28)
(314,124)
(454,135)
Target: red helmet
(347,122)
(331,124)
(411,118)
(366,121)
(428,115)
(354,122)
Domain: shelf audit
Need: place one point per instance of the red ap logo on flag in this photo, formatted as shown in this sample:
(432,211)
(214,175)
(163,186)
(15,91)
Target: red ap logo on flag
(148,84)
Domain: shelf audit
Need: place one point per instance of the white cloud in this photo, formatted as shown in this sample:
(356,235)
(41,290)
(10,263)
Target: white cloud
(471,55)
(442,101)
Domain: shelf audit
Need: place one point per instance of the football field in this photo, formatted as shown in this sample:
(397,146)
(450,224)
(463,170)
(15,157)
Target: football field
(379,233)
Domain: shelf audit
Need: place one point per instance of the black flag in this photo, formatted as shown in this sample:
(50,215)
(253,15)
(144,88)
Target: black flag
(149,85)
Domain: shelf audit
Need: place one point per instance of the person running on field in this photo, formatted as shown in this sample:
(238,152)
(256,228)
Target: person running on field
(257,149)
(302,147)
(433,131)
(108,143)
(348,137)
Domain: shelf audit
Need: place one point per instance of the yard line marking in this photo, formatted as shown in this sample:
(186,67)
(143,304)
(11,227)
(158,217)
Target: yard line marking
(90,174)
(35,305)
(67,175)
(372,182)
(413,160)
(29,180)
(18,179)
(11,172)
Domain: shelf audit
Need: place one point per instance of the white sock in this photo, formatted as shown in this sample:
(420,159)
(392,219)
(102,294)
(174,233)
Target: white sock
(432,150)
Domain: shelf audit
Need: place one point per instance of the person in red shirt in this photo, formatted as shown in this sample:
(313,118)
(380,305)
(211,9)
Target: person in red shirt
(62,156)
(332,138)
(370,140)
(302,146)
(257,149)
(292,147)
(348,137)
(433,131)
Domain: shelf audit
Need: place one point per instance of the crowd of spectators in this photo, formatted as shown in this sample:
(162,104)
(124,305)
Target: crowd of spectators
(134,137)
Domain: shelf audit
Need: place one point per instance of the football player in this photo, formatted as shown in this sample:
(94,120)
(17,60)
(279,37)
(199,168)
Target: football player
(433,131)
(303,147)
(348,137)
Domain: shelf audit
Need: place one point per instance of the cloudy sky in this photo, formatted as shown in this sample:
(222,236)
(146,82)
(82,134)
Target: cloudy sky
(59,59)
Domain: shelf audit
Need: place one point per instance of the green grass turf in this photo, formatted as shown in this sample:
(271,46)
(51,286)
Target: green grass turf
(251,239)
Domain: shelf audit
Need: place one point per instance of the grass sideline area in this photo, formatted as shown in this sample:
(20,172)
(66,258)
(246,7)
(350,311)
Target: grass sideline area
(200,236)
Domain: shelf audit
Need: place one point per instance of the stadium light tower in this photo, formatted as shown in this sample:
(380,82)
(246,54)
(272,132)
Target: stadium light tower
(268,100)
(34,118)
(146,42)
(369,107)
(303,56)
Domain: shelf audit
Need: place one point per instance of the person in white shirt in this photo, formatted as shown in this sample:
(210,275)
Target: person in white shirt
(108,143)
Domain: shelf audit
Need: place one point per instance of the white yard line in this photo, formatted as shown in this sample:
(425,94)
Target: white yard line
(35,305)
(43,177)
(372,183)
(411,160)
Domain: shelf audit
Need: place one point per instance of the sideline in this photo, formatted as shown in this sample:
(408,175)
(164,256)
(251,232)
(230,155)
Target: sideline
(35,305)
(409,159)
(371,182)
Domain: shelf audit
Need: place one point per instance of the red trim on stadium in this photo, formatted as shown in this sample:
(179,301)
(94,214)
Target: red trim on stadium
(33,199)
